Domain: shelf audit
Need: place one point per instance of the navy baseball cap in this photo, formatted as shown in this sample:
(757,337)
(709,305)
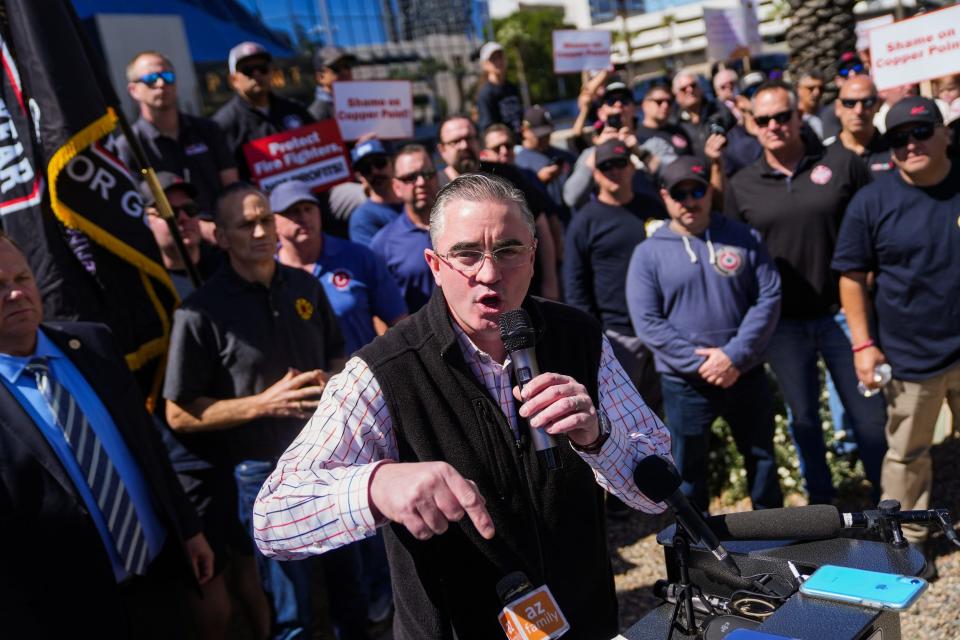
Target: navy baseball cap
(286,194)
(367,149)
(913,110)
(682,169)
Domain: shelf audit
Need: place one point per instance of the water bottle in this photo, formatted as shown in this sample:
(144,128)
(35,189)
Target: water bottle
(881,375)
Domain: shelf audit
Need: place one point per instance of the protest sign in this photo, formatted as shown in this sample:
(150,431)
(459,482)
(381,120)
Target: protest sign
(576,51)
(314,154)
(864,26)
(384,107)
(917,49)
(732,31)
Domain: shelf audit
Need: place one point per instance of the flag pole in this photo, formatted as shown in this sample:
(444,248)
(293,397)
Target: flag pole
(163,205)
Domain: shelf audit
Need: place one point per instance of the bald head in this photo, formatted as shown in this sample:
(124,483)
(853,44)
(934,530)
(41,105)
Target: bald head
(857,86)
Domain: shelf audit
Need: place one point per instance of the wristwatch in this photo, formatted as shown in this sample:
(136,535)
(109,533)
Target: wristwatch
(595,446)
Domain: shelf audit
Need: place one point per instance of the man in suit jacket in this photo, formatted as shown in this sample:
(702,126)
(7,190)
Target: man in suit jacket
(98,538)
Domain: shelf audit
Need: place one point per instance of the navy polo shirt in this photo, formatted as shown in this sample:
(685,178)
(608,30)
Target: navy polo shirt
(910,238)
(401,244)
(369,218)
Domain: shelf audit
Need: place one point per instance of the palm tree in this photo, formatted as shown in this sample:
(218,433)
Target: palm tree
(820,32)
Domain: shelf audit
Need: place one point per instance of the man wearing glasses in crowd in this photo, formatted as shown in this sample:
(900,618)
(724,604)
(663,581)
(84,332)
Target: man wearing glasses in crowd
(185,145)
(809,94)
(255,111)
(795,196)
(905,229)
(373,166)
(401,243)
(856,107)
(672,141)
(330,64)
(433,445)
(848,66)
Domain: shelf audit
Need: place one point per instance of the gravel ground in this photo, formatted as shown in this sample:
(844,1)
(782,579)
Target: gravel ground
(638,559)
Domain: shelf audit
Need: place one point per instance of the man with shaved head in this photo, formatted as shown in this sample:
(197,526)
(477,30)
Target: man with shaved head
(856,108)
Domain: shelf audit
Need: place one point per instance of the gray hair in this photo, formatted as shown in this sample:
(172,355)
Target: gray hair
(777,85)
(684,73)
(477,187)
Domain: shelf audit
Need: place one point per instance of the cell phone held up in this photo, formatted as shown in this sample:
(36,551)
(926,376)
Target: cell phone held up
(615,121)
(866,588)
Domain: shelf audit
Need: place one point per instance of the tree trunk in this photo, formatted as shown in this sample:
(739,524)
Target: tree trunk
(820,32)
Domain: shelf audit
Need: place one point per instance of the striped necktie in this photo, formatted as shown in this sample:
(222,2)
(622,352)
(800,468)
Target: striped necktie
(105,483)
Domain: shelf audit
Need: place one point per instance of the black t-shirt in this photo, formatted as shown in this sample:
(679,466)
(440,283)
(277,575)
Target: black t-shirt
(910,238)
(198,155)
(499,103)
(241,122)
(877,156)
(674,135)
(799,217)
(599,242)
(232,338)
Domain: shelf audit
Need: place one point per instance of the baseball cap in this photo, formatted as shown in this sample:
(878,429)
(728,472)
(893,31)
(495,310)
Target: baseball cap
(913,110)
(538,120)
(611,150)
(168,180)
(367,149)
(286,194)
(849,59)
(246,50)
(330,56)
(751,82)
(489,49)
(682,169)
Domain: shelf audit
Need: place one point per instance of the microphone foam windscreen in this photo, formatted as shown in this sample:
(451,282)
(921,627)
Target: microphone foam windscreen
(512,585)
(516,330)
(813,522)
(656,478)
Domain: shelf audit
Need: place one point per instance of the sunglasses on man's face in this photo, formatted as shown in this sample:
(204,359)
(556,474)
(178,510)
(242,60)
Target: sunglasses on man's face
(150,79)
(660,101)
(854,68)
(610,165)
(248,70)
(901,137)
(681,195)
(850,103)
(781,118)
(614,98)
(411,178)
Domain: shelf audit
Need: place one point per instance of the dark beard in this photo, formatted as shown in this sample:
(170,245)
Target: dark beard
(466,163)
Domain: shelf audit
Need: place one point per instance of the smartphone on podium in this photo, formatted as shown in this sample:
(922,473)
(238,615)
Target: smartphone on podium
(867,588)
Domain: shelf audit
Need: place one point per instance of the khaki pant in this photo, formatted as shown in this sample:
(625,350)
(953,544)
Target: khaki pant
(912,412)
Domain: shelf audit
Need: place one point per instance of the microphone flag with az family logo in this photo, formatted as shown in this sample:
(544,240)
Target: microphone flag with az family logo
(65,198)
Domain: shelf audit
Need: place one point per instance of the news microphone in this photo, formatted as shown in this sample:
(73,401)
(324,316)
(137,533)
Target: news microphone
(660,481)
(814,522)
(520,339)
(512,586)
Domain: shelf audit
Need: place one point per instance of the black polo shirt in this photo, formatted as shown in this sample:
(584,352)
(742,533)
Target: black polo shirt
(799,217)
(233,338)
(198,154)
(242,122)
(877,156)
(910,238)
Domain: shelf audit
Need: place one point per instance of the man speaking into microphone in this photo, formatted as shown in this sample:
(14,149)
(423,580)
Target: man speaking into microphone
(425,433)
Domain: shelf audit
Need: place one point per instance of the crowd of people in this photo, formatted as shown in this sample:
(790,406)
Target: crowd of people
(339,419)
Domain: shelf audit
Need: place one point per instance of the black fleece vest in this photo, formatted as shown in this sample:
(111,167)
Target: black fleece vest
(549,524)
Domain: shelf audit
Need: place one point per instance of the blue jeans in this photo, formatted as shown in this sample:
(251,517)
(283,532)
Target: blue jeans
(289,584)
(692,404)
(792,354)
(841,421)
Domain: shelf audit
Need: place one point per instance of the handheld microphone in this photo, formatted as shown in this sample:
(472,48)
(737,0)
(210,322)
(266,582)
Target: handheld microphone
(660,481)
(519,338)
(512,586)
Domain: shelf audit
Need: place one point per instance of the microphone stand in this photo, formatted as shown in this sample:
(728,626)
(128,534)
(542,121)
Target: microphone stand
(681,548)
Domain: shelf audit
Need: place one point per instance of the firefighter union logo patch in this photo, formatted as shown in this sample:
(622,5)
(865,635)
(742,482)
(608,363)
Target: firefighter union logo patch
(821,174)
(341,279)
(729,261)
(304,308)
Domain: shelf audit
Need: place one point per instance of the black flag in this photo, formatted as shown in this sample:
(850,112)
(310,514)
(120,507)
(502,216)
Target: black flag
(65,198)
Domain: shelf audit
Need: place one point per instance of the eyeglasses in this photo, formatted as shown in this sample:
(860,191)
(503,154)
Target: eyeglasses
(368,164)
(614,98)
(680,195)
(467,139)
(411,178)
(660,101)
(812,88)
(846,71)
(901,137)
(150,79)
(500,147)
(850,103)
(610,165)
(781,118)
(249,69)
(687,88)
(471,260)
(189,209)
